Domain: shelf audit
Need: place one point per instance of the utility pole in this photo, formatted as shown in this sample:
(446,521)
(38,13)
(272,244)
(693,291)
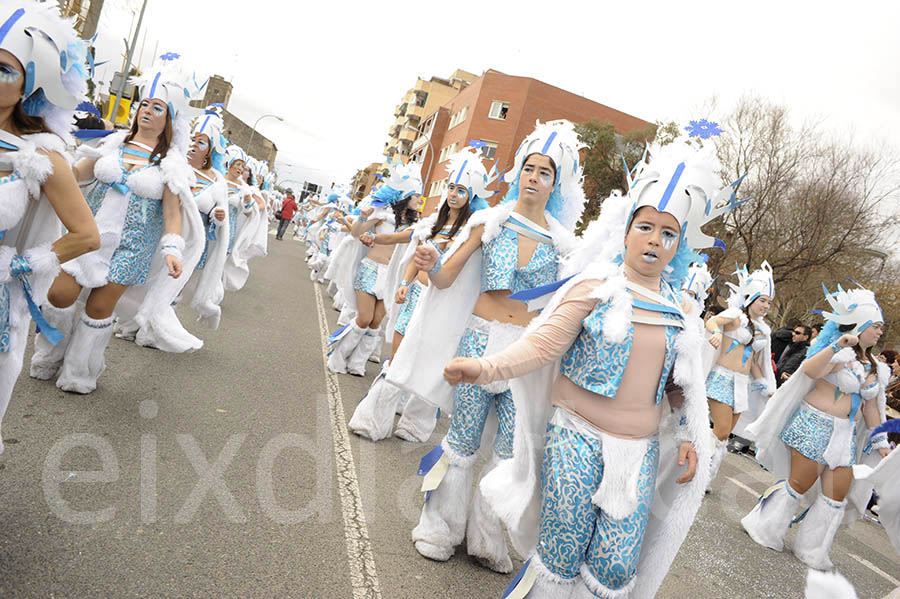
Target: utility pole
(121,89)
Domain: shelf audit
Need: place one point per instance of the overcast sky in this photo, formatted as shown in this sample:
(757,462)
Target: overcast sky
(335,70)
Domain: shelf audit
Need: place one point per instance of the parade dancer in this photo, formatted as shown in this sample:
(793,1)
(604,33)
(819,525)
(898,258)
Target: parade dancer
(250,231)
(235,159)
(596,495)
(816,427)
(466,311)
(146,180)
(36,183)
(466,193)
(393,207)
(741,377)
(203,288)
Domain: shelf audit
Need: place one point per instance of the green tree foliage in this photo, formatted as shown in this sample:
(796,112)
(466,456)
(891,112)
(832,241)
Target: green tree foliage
(604,169)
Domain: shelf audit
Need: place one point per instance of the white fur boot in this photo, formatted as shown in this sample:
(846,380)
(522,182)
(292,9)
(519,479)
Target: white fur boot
(338,303)
(375,356)
(84,361)
(417,421)
(47,358)
(347,314)
(332,289)
(768,522)
(345,346)
(442,524)
(716,462)
(356,362)
(374,416)
(812,544)
(484,533)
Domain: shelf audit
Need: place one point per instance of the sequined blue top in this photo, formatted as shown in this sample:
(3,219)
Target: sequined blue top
(500,258)
(597,365)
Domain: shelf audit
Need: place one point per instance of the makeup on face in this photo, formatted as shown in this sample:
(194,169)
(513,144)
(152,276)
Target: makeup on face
(9,74)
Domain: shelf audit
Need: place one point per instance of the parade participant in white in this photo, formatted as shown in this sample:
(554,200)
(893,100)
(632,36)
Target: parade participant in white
(740,375)
(815,428)
(203,289)
(466,311)
(250,232)
(146,180)
(392,207)
(42,79)
(374,416)
(616,339)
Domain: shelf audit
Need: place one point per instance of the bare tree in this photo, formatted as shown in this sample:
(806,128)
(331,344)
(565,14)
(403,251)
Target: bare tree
(822,210)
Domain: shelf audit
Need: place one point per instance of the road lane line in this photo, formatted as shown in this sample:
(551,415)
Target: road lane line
(363,577)
(744,487)
(876,569)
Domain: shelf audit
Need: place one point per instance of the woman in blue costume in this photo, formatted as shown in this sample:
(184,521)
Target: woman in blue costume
(621,407)
(392,207)
(145,178)
(235,159)
(39,198)
(514,246)
(374,416)
(817,427)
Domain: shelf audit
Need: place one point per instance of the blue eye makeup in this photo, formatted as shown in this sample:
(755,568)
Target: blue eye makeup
(159,110)
(9,74)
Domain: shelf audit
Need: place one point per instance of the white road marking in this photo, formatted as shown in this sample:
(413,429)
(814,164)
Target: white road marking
(875,569)
(743,486)
(363,578)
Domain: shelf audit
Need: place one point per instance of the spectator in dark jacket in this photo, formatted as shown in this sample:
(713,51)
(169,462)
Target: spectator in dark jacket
(783,337)
(793,354)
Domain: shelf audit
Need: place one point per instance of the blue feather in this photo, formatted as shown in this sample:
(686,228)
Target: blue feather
(891,426)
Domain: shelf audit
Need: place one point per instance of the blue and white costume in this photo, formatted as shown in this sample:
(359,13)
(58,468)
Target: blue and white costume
(55,80)
(601,515)
(444,326)
(374,416)
(352,345)
(251,232)
(132,244)
(789,422)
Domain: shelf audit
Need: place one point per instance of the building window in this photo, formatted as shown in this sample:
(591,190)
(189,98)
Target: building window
(437,188)
(418,155)
(458,118)
(499,110)
(447,151)
(489,150)
(421,99)
(428,125)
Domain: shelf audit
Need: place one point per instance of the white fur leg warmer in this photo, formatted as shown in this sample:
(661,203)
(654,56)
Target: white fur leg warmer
(84,361)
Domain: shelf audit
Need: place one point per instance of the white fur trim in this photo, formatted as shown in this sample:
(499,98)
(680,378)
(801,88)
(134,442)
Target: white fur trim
(601,590)
(172,244)
(617,494)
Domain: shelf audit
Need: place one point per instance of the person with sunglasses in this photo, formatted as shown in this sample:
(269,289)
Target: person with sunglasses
(793,354)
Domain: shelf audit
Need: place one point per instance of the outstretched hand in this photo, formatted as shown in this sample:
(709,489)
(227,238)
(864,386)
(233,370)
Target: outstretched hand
(687,455)
(425,258)
(462,370)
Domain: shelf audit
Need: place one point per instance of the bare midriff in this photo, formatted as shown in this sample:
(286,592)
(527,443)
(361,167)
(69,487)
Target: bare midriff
(496,306)
(380,253)
(733,360)
(822,398)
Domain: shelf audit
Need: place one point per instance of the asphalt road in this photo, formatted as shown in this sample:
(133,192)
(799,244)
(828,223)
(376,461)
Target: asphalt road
(229,473)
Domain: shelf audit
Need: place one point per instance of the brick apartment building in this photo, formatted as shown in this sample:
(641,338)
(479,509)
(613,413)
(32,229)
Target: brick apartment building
(500,110)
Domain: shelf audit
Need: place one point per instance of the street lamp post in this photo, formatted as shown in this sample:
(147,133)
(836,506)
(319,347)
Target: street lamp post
(115,110)
(252,133)
(433,156)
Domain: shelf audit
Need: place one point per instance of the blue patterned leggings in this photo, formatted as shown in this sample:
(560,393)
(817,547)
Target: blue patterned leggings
(471,404)
(573,530)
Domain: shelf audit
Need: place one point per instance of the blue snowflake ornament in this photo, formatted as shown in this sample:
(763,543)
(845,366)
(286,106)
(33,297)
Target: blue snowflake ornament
(703,129)
(477,143)
(172,56)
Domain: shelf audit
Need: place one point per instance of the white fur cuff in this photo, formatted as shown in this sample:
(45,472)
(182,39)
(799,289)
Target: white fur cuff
(172,244)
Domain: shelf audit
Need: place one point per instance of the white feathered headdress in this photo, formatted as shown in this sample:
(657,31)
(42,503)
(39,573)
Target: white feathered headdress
(751,285)
(856,306)
(54,60)
(167,81)
(699,281)
(559,141)
(466,168)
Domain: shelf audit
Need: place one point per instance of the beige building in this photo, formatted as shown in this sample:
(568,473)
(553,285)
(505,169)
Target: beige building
(362,183)
(86,13)
(417,104)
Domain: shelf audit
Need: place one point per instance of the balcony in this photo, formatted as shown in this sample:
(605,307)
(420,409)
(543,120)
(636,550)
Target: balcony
(407,135)
(420,141)
(415,111)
